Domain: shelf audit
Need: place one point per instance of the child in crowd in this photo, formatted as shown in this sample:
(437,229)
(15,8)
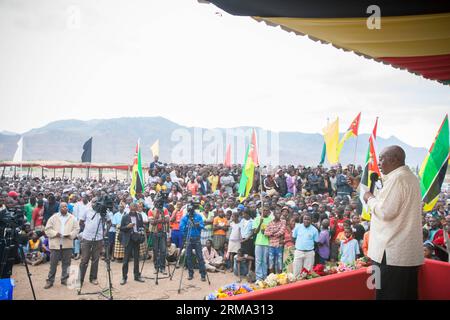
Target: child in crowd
(349,249)
(35,250)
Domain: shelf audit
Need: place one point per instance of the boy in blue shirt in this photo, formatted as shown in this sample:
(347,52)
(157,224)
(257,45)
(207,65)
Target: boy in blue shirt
(349,249)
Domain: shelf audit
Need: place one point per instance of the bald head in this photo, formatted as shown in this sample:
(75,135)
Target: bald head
(391,158)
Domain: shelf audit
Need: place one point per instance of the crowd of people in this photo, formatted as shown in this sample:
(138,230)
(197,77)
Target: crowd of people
(293,219)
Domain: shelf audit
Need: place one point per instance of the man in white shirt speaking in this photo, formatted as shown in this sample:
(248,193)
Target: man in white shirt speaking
(395,244)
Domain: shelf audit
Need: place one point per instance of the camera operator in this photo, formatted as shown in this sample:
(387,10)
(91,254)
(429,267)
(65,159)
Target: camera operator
(61,229)
(159,227)
(91,221)
(131,237)
(194,220)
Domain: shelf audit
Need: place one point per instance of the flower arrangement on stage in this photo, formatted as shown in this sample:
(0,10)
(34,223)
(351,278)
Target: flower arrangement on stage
(230,290)
(274,280)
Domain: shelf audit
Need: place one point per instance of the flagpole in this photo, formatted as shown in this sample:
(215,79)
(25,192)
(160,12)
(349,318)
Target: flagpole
(356,147)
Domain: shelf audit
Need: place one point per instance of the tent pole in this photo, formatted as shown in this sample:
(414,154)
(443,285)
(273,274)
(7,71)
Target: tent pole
(15,170)
(54,173)
(71,173)
(64,173)
(3,173)
(42,175)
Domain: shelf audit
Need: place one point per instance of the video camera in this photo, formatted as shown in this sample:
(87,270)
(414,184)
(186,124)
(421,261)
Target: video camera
(12,217)
(104,204)
(160,199)
(12,223)
(192,206)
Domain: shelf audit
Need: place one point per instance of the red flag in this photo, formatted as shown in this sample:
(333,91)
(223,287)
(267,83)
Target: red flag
(355,125)
(373,162)
(228,157)
(254,149)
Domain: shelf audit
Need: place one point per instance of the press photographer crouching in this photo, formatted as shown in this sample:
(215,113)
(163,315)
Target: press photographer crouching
(191,225)
(159,228)
(92,223)
(131,236)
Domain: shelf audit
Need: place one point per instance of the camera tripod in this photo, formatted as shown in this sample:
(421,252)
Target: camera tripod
(106,246)
(186,245)
(157,258)
(8,246)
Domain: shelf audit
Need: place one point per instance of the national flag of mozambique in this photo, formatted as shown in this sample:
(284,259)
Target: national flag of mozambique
(371,165)
(352,131)
(434,167)
(248,170)
(137,178)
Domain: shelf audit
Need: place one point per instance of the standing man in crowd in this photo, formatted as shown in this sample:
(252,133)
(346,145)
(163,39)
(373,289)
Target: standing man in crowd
(396,233)
(305,235)
(156,164)
(130,227)
(61,229)
(195,221)
(159,228)
(343,188)
(261,244)
(91,241)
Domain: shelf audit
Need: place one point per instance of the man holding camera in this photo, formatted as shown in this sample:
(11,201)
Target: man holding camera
(131,236)
(191,225)
(159,227)
(91,238)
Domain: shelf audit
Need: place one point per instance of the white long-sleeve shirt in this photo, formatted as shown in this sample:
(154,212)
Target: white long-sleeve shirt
(396,220)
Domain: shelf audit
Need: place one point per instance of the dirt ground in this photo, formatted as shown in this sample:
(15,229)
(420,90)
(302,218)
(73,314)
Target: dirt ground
(132,290)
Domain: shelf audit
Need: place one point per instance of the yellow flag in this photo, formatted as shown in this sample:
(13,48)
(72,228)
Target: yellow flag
(155,148)
(331,137)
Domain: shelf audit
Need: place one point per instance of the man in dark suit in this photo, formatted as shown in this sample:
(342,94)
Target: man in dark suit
(130,226)
(204,185)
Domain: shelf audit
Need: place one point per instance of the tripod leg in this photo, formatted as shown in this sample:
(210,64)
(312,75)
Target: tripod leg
(146,254)
(22,254)
(186,246)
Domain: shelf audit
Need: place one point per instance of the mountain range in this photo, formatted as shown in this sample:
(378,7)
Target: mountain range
(114,141)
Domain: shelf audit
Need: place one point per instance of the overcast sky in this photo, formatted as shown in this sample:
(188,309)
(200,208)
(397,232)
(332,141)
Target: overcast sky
(198,66)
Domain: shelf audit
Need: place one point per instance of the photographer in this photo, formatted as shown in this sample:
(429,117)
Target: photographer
(131,237)
(159,227)
(91,221)
(195,221)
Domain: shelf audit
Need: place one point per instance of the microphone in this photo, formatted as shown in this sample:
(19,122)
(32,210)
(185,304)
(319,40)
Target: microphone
(373,180)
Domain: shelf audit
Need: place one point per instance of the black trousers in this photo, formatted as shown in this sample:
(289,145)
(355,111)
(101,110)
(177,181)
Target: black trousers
(159,240)
(131,248)
(397,283)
